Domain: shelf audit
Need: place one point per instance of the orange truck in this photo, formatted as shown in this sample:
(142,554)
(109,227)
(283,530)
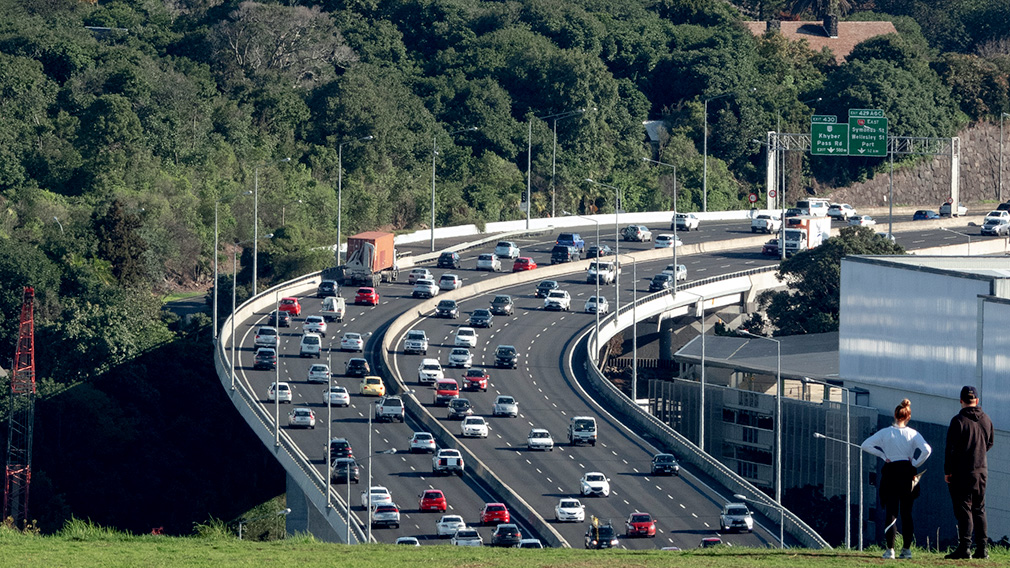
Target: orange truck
(371,258)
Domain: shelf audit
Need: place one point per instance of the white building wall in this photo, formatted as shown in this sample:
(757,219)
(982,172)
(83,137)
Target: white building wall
(994,382)
(908,329)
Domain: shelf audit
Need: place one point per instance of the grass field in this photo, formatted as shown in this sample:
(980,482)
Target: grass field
(83,544)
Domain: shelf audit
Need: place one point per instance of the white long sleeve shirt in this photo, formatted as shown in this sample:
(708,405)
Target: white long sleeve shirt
(898,443)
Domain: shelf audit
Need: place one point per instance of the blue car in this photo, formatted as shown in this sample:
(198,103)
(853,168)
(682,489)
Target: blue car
(573,240)
(925,215)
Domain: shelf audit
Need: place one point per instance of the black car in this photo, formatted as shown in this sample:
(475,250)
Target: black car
(266,358)
(665,464)
(506,535)
(459,408)
(545,288)
(661,282)
(327,288)
(795,212)
(283,321)
(502,305)
(603,536)
(447,309)
(449,259)
(506,356)
(564,253)
(356,367)
(481,318)
(597,251)
(344,466)
(340,448)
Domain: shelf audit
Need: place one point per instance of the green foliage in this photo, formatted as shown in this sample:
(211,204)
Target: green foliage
(813,280)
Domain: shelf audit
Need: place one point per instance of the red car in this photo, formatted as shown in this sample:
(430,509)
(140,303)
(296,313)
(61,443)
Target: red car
(432,500)
(367,296)
(494,513)
(523,263)
(640,524)
(291,306)
(476,379)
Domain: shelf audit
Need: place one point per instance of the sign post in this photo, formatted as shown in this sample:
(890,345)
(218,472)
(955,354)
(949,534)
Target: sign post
(867,132)
(827,136)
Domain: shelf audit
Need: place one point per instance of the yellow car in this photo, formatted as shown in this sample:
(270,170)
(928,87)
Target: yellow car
(372,386)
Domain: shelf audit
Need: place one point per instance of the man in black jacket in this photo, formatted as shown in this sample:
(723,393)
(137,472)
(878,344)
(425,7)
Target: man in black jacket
(965,469)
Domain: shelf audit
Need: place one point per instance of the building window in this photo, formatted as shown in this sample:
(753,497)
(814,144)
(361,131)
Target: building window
(750,435)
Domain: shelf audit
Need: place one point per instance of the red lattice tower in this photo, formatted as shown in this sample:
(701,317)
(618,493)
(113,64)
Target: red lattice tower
(22,418)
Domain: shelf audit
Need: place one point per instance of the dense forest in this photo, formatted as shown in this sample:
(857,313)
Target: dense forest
(131,128)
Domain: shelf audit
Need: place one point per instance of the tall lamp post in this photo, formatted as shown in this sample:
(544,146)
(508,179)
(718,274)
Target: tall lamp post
(340,184)
(999,190)
(434,153)
(617,239)
(704,167)
(675,239)
(234,285)
(256,216)
(284,208)
(284,512)
(782,516)
(634,326)
(966,235)
(216,204)
(860,450)
(778,419)
(529,156)
(367,459)
(848,457)
(566,213)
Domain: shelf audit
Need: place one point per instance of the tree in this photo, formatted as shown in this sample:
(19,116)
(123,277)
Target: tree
(813,280)
(120,243)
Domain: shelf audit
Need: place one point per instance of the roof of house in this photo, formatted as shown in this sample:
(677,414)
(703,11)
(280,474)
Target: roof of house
(849,34)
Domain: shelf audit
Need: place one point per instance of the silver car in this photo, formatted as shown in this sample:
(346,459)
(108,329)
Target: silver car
(505,405)
(467,537)
(448,525)
(539,439)
(336,396)
(736,517)
(460,357)
(489,262)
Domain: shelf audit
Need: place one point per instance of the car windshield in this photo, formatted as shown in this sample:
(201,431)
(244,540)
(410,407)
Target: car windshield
(452,519)
(501,300)
(463,331)
(640,518)
(447,304)
(287,302)
(448,385)
(317,368)
(474,420)
(505,400)
(422,437)
(466,534)
(459,403)
(338,390)
(415,335)
(460,352)
(352,337)
(310,340)
(506,351)
(539,435)
(314,319)
(302,412)
(664,458)
(606,532)
(372,381)
(570,504)
(737,511)
(481,313)
(357,363)
(430,366)
(556,294)
(268,331)
(595,477)
(485,257)
(548,284)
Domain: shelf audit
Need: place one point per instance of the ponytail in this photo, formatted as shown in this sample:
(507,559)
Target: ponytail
(903,412)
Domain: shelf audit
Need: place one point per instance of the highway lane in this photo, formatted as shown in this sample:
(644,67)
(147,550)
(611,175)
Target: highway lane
(407,475)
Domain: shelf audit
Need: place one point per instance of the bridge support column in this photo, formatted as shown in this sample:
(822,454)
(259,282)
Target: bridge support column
(306,518)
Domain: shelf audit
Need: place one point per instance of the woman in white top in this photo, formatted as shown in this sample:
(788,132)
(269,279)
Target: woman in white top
(903,450)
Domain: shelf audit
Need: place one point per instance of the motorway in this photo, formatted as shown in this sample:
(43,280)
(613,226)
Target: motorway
(685,508)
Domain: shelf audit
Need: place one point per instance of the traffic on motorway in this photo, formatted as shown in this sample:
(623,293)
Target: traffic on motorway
(682,509)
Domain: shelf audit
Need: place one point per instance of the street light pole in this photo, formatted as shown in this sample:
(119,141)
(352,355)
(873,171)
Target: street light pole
(340,185)
(434,152)
(256,217)
(598,246)
(277,376)
(675,266)
(529,172)
(966,235)
(234,285)
(617,240)
(999,190)
(284,207)
(823,437)
(778,420)
(704,173)
(216,286)
(701,414)
(634,327)
(529,155)
(848,458)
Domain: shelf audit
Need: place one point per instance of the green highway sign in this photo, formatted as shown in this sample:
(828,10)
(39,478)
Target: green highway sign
(827,137)
(867,132)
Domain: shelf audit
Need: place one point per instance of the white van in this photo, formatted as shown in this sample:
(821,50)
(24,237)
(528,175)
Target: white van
(311,345)
(333,308)
(815,207)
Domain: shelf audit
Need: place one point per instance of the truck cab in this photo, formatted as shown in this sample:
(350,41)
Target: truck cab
(582,430)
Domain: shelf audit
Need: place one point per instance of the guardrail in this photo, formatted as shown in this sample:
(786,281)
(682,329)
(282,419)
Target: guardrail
(729,285)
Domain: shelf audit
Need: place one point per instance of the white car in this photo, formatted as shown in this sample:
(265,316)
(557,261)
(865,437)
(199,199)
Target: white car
(460,357)
(473,427)
(301,417)
(448,525)
(408,541)
(539,439)
(429,371)
(506,249)
(558,300)
(945,210)
(685,222)
(337,396)
(450,282)
(422,442)
(315,324)
(488,262)
(466,337)
(352,342)
(530,543)
(679,270)
(570,511)
(319,373)
(1002,215)
(862,221)
(424,288)
(597,304)
(311,345)
(266,336)
(996,227)
(419,274)
(505,405)
(466,537)
(667,241)
(376,495)
(842,211)
(595,483)
(283,392)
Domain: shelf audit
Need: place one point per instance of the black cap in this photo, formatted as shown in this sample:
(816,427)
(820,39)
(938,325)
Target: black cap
(969,393)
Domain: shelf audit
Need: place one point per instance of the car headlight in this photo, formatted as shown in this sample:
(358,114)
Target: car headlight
(593,542)
(613,542)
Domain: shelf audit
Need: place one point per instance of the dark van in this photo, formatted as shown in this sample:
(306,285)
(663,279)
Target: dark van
(564,253)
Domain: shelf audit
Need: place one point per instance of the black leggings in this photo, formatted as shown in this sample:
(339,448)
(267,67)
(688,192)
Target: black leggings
(897,496)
